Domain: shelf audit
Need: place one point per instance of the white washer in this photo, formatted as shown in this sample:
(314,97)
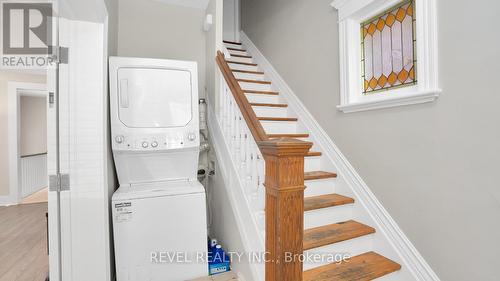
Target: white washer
(159,213)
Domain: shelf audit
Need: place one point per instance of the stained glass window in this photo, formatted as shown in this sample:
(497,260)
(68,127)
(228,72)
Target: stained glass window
(389,49)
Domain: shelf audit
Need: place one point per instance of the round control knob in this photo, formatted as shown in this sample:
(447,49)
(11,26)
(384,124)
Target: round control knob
(145,144)
(154,144)
(119,139)
(191,136)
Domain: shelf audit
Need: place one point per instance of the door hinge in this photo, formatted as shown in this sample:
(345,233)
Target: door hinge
(51,99)
(61,55)
(59,182)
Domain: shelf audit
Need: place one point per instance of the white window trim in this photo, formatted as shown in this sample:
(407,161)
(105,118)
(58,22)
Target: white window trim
(351,14)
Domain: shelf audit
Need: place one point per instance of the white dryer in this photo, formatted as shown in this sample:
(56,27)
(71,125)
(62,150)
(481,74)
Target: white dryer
(159,213)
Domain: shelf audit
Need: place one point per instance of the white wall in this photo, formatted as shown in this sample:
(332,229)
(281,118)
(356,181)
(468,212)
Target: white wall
(5,77)
(152,29)
(433,166)
(33,131)
(213,43)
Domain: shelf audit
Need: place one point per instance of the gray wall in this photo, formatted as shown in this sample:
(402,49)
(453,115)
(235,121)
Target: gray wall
(151,29)
(433,166)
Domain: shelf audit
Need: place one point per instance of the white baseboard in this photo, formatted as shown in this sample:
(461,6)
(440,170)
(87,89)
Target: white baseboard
(7,200)
(410,257)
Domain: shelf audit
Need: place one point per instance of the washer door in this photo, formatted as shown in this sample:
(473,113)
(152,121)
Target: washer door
(154,97)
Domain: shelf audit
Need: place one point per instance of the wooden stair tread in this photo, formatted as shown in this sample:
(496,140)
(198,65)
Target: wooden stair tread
(241,56)
(334,233)
(269,104)
(236,49)
(293,136)
(326,201)
(247,71)
(253,81)
(316,175)
(313,154)
(365,267)
(231,42)
(243,63)
(285,119)
(260,92)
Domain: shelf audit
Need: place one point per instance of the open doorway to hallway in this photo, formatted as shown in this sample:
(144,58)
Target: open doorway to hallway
(23,176)
(33,186)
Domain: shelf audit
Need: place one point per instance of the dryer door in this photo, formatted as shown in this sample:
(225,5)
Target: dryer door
(154,97)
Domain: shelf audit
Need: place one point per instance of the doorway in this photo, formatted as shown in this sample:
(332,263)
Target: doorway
(24,229)
(27,139)
(231,20)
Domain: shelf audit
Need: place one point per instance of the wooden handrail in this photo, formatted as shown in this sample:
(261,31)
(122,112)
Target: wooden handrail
(284,182)
(246,109)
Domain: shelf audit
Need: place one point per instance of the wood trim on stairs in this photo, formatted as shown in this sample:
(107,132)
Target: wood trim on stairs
(254,81)
(260,92)
(231,42)
(278,119)
(243,63)
(326,201)
(247,71)
(236,49)
(241,56)
(314,154)
(295,136)
(334,233)
(269,104)
(364,267)
(318,175)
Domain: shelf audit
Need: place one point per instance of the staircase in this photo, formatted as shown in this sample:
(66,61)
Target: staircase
(328,223)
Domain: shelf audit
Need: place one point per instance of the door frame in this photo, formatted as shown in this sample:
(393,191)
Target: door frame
(14,94)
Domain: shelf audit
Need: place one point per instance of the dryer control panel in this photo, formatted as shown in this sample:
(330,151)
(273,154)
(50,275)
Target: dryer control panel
(155,141)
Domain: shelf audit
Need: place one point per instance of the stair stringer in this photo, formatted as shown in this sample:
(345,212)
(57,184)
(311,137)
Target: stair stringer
(389,239)
(245,217)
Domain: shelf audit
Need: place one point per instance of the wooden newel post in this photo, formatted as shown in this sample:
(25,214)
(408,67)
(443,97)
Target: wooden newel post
(284,207)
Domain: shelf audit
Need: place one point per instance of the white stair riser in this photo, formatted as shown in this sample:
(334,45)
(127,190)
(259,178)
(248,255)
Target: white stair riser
(312,164)
(243,67)
(279,127)
(235,46)
(395,276)
(251,76)
(255,86)
(326,216)
(238,52)
(262,98)
(270,111)
(240,59)
(319,187)
(352,247)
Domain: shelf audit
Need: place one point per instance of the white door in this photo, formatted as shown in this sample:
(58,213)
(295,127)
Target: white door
(79,236)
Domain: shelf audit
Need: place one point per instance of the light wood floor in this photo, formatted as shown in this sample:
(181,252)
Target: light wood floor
(23,243)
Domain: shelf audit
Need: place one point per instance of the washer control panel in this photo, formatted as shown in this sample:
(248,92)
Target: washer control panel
(155,142)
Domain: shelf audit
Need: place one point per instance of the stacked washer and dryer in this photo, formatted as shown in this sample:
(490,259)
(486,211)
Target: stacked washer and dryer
(159,210)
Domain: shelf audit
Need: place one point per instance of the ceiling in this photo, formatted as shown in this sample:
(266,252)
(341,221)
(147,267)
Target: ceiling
(199,4)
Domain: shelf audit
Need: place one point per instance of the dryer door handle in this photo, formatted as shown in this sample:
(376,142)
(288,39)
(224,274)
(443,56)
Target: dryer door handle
(124,93)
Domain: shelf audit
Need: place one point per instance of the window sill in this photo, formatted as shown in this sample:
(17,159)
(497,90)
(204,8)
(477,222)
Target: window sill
(420,97)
